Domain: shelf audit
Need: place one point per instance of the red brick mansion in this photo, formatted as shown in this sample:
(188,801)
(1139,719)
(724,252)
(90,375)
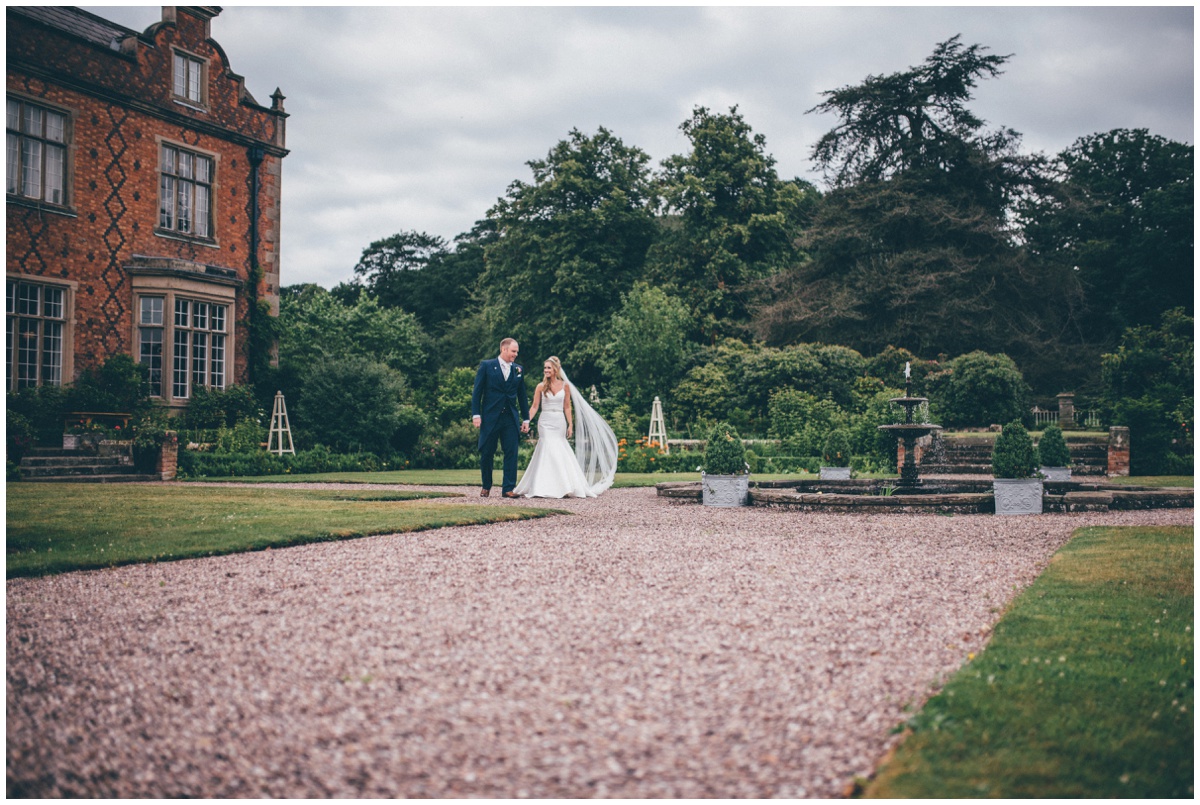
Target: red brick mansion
(143,200)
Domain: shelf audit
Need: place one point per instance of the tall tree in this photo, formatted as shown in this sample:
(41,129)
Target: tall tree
(569,244)
(913,246)
(1123,219)
(730,219)
(646,346)
(389,267)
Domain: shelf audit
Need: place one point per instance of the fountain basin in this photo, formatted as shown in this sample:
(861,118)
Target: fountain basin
(938,496)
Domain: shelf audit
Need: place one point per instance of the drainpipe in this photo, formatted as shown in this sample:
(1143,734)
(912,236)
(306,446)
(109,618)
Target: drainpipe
(255,155)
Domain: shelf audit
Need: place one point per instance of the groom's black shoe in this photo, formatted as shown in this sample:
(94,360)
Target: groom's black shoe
(483,493)
(511,495)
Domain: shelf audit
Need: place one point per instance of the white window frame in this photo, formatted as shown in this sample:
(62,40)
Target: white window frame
(177,375)
(189,78)
(187,181)
(45,328)
(38,137)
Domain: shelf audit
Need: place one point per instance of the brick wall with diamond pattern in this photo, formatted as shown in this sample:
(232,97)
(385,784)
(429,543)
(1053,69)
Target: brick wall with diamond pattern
(120,105)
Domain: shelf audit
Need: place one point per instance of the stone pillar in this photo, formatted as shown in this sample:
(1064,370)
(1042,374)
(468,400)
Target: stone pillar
(1066,410)
(1118,451)
(168,457)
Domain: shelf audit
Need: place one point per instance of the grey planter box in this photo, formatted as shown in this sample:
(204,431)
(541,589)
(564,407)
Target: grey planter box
(835,473)
(1017,495)
(1056,473)
(725,491)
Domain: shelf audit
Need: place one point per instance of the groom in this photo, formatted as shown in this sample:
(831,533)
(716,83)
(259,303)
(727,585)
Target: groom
(499,409)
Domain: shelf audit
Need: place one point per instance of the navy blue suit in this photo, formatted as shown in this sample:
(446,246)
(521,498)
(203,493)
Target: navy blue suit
(501,406)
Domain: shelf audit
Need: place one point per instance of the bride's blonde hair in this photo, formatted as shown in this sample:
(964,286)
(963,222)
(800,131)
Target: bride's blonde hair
(557,364)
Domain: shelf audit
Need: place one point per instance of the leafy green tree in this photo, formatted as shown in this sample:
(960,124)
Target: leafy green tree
(646,348)
(419,273)
(316,325)
(569,244)
(704,397)
(914,244)
(979,389)
(1122,218)
(803,421)
(730,220)
(915,120)
(452,402)
(389,268)
(1150,386)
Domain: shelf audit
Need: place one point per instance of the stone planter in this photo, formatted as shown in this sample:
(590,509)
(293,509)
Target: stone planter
(70,441)
(1017,495)
(835,473)
(726,491)
(1056,473)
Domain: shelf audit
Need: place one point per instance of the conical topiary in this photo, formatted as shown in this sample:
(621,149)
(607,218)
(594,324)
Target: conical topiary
(1014,455)
(837,449)
(1052,448)
(724,453)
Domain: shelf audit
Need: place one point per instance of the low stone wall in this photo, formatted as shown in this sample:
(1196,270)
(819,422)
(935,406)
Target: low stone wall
(863,496)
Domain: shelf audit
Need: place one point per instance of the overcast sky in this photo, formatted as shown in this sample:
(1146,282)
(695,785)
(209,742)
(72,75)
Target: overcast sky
(406,118)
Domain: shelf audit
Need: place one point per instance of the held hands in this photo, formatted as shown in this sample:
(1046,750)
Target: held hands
(525,426)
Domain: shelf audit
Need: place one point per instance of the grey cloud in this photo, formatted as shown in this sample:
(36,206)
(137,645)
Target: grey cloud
(420,117)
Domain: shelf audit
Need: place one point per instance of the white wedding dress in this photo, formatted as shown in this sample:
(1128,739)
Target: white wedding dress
(554,471)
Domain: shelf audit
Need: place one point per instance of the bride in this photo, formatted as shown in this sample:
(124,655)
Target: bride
(555,471)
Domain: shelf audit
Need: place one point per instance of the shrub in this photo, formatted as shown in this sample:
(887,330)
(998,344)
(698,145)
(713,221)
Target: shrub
(803,421)
(453,397)
(45,408)
(454,448)
(246,436)
(837,449)
(20,436)
(642,456)
(724,453)
(980,390)
(1052,448)
(121,384)
(215,408)
(867,440)
(353,404)
(1014,455)
(1149,387)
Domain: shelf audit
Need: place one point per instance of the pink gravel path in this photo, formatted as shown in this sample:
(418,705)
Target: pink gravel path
(636,649)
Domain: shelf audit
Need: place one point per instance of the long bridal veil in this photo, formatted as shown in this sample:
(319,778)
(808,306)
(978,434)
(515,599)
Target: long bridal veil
(595,443)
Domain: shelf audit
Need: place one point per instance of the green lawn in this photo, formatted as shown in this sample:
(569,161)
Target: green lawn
(1086,689)
(53,528)
(460,478)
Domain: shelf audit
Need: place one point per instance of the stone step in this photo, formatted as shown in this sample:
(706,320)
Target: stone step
(76,470)
(71,461)
(95,479)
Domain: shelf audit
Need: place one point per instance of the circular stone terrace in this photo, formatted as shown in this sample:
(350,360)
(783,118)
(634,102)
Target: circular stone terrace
(940,495)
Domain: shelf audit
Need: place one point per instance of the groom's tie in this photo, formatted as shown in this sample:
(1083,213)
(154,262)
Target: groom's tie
(504,370)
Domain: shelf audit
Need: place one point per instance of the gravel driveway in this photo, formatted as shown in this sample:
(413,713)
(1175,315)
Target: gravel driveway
(636,649)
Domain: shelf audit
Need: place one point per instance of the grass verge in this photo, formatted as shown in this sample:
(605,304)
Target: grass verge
(1154,480)
(54,528)
(1086,689)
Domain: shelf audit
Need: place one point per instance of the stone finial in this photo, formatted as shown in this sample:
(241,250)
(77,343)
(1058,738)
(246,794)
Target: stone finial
(277,100)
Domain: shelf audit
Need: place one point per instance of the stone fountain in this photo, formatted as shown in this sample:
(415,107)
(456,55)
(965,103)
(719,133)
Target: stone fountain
(909,431)
(946,496)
